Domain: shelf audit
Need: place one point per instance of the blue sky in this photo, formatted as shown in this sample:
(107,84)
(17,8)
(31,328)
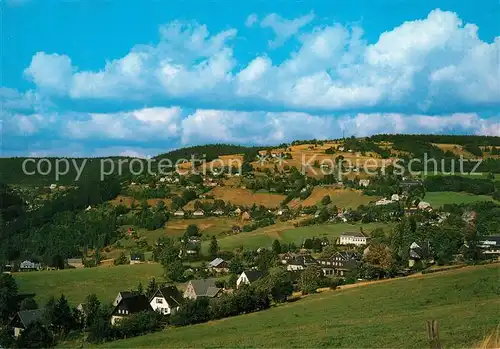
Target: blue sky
(101,78)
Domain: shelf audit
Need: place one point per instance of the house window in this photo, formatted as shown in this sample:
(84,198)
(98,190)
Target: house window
(159,300)
(126,312)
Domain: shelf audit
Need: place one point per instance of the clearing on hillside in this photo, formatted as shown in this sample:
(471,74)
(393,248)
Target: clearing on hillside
(76,284)
(385,315)
(440,198)
(239,196)
(128,200)
(342,198)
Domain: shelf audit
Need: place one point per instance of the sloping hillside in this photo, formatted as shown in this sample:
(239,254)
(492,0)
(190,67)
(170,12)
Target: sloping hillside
(386,315)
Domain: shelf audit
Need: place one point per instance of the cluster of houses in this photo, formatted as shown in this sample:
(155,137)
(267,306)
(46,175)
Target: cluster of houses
(238,212)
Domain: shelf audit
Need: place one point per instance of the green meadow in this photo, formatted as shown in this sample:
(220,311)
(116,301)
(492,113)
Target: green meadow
(264,237)
(76,284)
(440,198)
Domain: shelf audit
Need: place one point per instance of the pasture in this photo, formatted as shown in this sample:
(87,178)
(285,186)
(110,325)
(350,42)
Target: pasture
(389,314)
(342,198)
(76,284)
(287,233)
(440,198)
(244,197)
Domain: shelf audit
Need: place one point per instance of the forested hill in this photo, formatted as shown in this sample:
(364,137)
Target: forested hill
(442,139)
(210,151)
(11,169)
(57,229)
(12,172)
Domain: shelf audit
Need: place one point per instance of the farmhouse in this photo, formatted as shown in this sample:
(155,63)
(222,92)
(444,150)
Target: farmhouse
(416,254)
(29,266)
(422,205)
(202,288)
(219,265)
(128,306)
(357,239)
(198,213)
(383,202)
(136,258)
(75,262)
(123,294)
(339,263)
(490,245)
(24,318)
(218,212)
(248,277)
(364,182)
(395,197)
(179,213)
(245,216)
(166,300)
(300,262)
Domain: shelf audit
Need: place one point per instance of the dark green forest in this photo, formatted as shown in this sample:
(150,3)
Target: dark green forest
(58,229)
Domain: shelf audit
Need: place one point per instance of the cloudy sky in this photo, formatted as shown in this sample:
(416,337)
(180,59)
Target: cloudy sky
(99,78)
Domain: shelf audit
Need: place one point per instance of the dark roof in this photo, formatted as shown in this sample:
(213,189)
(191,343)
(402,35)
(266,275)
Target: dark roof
(304,259)
(490,240)
(171,295)
(21,296)
(205,287)
(26,317)
(134,303)
(253,275)
(126,294)
(356,234)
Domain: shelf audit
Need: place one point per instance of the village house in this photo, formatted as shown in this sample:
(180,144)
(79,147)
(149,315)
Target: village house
(128,306)
(202,288)
(75,262)
(29,266)
(218,212)
(123,294)
(395,197)
(53,186)
(24,318)
(357,239)
(383,202)
(248,277)
(179,213)
(136,258)
(245,216)
(422,205)
(364,182)
(166,300)
(490,245)
(282,211)
(219,265)
(287,257)
(339,263)
(300,262)
(198,213)
(417,252)
(191,249)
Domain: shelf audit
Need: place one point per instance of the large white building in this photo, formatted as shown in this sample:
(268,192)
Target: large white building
(357,239)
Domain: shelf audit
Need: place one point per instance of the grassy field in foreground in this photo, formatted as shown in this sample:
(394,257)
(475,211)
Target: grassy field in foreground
(440,198)
(285,232)
(76,284)
(389,314)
